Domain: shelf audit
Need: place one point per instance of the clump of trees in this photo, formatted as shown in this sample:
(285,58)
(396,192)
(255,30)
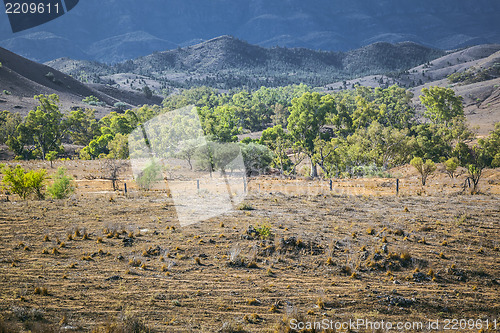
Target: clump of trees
(341,134)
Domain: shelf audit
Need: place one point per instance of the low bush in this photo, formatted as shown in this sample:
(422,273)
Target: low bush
(62,187)
(23,183)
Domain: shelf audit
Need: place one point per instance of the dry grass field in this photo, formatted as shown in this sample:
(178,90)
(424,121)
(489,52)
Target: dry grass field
(110,262)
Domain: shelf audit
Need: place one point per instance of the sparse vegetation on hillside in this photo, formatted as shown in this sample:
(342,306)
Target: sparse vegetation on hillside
(473,75)
(227,63)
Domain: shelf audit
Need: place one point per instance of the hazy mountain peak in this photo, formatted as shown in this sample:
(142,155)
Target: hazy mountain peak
(132,28)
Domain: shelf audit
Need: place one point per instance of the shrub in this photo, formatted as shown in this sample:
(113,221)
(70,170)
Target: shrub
(245,206)
(22,183)
(50,76)
(370,171)
(126,323)
(149,176)
(120,106)
(94,101)
(264,231)
(451,166)
(62,186)
(424,169)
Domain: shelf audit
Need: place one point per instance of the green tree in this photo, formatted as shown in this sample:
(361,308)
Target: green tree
(492,146)
(442,105)
(280,115)
(187,151)
(14,180)
(479,159)
(120,106)
(51,157)
(323,151)
(396,107)
(113,138)
(384,146)
(43,128)
(307,118)
(257,158)
(430,142)
(92,100)
(223,155)
(220,123)
(118,147)
(423,168)
(481,156)
(278,141)
(450,166)
(97,147)
(204,157)
(8,125)
(147,92)
(83,126)
(342,119)
(366,112)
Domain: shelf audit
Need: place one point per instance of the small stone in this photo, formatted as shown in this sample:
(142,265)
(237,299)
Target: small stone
(114,278)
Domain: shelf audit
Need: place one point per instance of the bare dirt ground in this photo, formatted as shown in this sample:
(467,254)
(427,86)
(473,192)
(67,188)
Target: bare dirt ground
(102,258)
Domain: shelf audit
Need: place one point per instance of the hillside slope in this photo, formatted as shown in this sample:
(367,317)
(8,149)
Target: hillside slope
(481,99)
(21,79)
(226,62)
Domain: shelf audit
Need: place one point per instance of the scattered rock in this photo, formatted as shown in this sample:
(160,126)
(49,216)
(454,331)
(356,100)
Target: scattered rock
(420,277)
(290,241)
(458,273)
(400,301)
(128,242)
(114,278)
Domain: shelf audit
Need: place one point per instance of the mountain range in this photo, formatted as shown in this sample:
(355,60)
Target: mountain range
(113,31)
(476,73)
(226,62)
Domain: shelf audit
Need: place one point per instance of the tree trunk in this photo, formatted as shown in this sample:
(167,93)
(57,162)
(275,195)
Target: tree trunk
(314,169)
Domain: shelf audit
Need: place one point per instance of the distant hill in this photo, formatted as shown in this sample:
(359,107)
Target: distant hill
(114,31)
(21,79)
(481,96)
(226,62)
